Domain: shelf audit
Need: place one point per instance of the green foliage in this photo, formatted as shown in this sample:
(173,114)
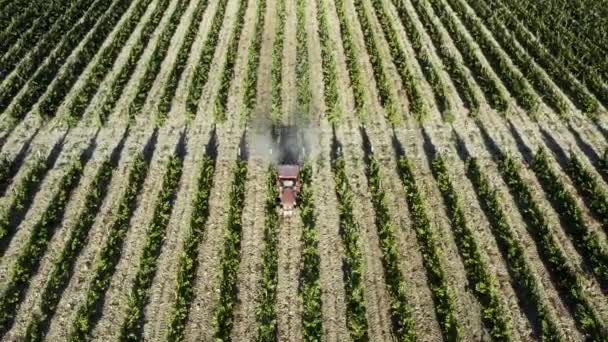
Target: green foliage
(304,93)
(110,253)
(482,282)
(310,289)
(590,187)
(401,312)
(188,259)
(442,294)
(223,315)
(276,69)
(155,234)
(513,251)
(356,319)
(266,315)
(565,277)
(63,266)
(253,62)
(201,71)
(32,252)
(328,63)
(221,100)
(105,61)
(586,240)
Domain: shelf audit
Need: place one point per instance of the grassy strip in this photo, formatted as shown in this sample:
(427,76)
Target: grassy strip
(565,277)
(110,252)
(352,263)
(442,294)
(201,71)
(483,284)
(223,315)
(117,88)
(250,82)
(46,73)
(24,68)
(170,87)
(495,96)
(310,286)
(23,194)
(266,315)
(514,80)
(590,187)
(156,60)
(63,82)
(403,325)
(383,84)
(428,68)
(518,55)
(155,233)
(188,259)
(328,64)
(585,240)
(221,100)
(31,254)
(453,65)
(417,104)
(276,69)
(354,68)
(64,265)
(107,57)
(303,91)
(513,252)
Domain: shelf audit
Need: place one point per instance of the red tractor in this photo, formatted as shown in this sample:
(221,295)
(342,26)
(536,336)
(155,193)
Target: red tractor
(288,184)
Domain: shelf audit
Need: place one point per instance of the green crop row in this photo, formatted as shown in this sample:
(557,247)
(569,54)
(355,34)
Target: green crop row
(250,82)
(383,83)
(588,64)
(519,268)
(221,100)
(310,286)
(518,55)
(157,58)
(304,93)
(352,64)
(6,164)
(352,263)
(24,19)
(45,74)
(170,87)
(117,88)
(495,96)
(552,67)
(223,315)
(266,315)
(429,69)
(276,69)
(32,252)
(590,187)
(48,34)
(328,64)
(23,194)
(586,240)
(14,7)
(453,65)
(417,103)
(155,234)
(107,57)
(201,71)
(513,79)
(188,260)
(63,83)
(63,266)
(430,250)
(602,164)
(482,282)
(110,253)
(401,312)
(566,278)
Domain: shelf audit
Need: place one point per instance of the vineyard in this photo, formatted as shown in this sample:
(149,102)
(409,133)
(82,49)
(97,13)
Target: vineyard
(453,179)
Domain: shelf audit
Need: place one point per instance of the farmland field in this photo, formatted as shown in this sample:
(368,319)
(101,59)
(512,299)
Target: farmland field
(454,170)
